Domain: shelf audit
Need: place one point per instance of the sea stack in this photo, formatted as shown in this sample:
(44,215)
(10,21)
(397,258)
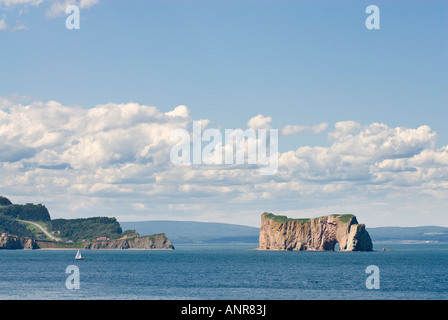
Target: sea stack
(318,234)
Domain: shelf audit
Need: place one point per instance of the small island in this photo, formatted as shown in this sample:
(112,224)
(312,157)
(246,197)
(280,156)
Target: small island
(30,226)
(318,234)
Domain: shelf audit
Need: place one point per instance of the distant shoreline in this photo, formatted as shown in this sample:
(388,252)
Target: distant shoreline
(130,249)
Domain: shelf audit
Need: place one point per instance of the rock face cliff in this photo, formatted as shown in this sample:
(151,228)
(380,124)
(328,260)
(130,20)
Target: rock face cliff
(319,234)
(152,242)
(13,243)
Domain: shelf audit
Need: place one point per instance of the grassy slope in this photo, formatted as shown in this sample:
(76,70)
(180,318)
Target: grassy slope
(282,219)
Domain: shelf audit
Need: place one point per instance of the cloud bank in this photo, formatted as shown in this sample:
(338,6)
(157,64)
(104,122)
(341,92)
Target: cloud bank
(54,8)
(113,159)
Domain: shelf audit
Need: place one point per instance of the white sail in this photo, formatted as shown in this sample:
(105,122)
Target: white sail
(78,255)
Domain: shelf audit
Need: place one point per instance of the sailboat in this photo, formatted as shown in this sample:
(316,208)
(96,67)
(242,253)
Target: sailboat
(78,256)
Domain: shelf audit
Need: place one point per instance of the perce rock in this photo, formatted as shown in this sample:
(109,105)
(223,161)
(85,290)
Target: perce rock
(318,234)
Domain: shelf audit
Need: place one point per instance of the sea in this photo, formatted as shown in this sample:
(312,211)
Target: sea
(226,272)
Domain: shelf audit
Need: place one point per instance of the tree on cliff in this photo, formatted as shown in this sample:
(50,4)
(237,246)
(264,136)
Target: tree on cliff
(9,225)
(87,228)
(26,212)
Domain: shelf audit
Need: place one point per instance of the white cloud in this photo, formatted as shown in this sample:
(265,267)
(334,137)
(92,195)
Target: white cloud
(294,129)
(360,153)
(259,122)
(12,3)
(113,159)
(5,27)
(88,3)
(20,27)
(428,167)
(378,140)
(3,24)
(57,7)
(180,111)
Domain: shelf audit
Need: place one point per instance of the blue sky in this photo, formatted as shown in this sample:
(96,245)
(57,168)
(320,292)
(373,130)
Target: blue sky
(301,63)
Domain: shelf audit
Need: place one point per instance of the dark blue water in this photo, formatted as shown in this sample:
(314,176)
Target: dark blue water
(201,272)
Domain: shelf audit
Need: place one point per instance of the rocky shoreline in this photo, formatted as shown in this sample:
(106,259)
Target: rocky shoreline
(151,242)
(14,243)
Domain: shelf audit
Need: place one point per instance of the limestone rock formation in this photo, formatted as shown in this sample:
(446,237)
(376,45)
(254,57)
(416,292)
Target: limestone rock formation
(13,243)
(318,234)
(154,242)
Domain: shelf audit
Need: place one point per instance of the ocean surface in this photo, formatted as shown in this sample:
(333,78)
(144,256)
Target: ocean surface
(417,271)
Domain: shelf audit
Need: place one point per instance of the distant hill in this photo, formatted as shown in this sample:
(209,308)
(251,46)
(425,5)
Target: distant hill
(209,232)
(409,234)
(196,232)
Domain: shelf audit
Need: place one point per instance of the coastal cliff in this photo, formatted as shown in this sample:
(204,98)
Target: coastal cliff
(318,234)
(31,227)
(13,243)
(152,242)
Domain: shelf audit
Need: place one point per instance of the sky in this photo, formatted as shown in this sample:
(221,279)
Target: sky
(86,115)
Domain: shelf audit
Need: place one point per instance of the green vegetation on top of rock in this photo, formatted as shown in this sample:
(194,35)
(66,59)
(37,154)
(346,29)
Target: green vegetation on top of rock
(28,211)
(89,228)
(344,217)
(282,219)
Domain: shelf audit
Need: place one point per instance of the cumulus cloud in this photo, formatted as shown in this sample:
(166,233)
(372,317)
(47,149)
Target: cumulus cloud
(12,3)
(3,24)
(5,27)
(378,139)
(55,8)
(180,111)
(114,159)
(372,154)
(295,129)
(259,122)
